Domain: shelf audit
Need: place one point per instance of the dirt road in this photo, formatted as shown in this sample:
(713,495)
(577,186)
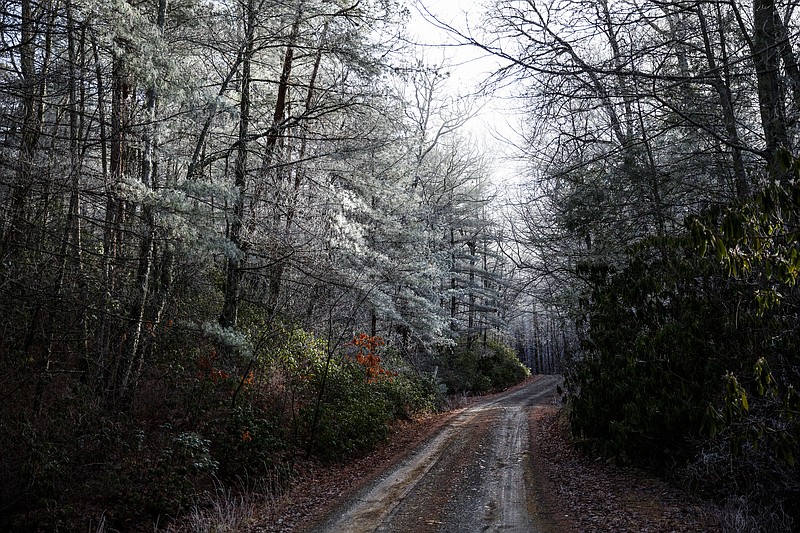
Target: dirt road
(474,475)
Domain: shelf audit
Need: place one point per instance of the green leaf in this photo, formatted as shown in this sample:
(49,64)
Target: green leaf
(722,251)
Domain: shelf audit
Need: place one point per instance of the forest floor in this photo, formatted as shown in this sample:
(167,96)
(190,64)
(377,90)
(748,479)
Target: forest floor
(572,492)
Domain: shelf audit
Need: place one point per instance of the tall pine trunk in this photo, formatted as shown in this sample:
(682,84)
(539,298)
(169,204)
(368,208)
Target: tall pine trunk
(766,59)
(233,272)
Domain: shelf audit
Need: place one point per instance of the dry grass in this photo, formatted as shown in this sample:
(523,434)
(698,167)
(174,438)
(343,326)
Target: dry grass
(235,509)
(741,515)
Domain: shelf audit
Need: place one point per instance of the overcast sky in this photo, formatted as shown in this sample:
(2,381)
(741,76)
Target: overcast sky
(471,66)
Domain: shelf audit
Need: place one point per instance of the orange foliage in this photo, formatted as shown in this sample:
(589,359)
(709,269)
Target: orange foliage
(366,346)
(208,370)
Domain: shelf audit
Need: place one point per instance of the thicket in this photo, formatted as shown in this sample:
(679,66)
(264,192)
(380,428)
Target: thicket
(480,367)
(210,410)
(216,409)
(691,366)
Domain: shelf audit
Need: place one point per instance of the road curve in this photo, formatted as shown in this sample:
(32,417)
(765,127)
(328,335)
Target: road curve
(474,475)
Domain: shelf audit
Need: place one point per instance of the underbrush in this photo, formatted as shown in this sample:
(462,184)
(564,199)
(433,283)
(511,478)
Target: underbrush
(213,408)
(756,492)
(208,414)
(686,374)
(481,367)
(233,509)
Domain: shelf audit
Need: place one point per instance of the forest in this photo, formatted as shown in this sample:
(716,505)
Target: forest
(236,235)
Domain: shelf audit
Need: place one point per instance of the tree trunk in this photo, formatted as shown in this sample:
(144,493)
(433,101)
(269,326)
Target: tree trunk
(790,66)
(471,309)
(233,272)
(71,230)
(276,271)
(723,90)
(766,59)
(109,358)
(30,130)
(104,333)
(77,126)
(134,353)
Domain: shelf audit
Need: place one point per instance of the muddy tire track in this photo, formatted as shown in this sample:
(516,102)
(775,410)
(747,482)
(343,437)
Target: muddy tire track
(474,475)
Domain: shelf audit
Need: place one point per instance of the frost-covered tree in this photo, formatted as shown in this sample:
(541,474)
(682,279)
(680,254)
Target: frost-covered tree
(188,162)
(639,115)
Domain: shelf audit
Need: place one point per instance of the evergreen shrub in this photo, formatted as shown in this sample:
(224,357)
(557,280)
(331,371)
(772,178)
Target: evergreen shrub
(482,367)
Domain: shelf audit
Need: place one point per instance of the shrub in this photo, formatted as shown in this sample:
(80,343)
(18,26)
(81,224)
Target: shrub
(249,440)
(676,371)
(658,348)
(500,364)
(356,397)
(482,368)
(349,422)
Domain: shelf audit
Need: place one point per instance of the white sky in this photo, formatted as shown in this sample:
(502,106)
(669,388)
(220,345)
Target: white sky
(471,66)
(462,15)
